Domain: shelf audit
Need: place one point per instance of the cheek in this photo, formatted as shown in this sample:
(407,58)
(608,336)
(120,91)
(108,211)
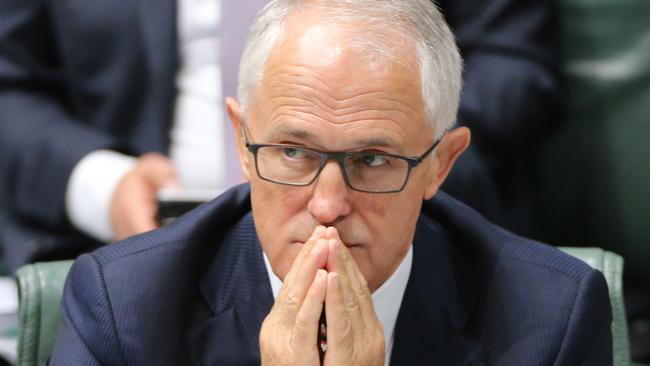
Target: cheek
(265,195)
(278,227)
(391,223)
(282,259)
(388,216)
(373,206)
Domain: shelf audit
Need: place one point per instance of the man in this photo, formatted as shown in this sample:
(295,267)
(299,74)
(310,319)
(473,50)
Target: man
(338,250)
(89,88)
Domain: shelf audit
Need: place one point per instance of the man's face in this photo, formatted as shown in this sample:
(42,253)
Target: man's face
(320,94)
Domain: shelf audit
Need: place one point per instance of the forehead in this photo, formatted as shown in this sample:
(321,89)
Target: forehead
(320,83)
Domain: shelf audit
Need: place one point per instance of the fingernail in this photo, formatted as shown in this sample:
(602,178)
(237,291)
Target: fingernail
(319,244)
(318,231)
(322,275)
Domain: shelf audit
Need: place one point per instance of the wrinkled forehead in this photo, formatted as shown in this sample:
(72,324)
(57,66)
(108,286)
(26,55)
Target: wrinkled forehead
(323,70)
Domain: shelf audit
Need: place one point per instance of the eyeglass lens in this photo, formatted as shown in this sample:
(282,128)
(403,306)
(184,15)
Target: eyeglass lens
(364,171)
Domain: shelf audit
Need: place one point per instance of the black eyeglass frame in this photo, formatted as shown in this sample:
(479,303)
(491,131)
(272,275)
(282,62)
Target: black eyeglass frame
(412,161)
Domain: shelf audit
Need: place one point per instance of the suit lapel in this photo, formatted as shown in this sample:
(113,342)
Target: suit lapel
(238,294)
(437,306)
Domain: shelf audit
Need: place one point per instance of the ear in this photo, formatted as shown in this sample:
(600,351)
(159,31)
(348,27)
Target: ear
(454,143)
(236,118)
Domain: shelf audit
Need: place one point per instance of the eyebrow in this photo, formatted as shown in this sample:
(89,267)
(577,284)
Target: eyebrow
(301,134)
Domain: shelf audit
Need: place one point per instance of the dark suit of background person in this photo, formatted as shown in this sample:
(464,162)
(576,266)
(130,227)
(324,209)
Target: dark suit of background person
(167,298)
(78,76)
(510,101)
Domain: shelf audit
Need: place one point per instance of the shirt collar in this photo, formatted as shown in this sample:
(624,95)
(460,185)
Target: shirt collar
(386,299)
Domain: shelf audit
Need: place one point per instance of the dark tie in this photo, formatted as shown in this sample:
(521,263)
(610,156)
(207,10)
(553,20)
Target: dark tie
(322,336)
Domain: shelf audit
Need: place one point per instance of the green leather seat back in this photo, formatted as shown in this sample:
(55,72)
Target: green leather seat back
(41,288)
(595,172)
(611,265)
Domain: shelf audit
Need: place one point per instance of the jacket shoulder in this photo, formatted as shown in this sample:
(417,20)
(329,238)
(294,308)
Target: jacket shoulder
(127,289)
(474,233)
(535,304)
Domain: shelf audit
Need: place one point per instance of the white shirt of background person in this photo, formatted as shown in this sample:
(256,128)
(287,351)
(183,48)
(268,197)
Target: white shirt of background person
(197,136)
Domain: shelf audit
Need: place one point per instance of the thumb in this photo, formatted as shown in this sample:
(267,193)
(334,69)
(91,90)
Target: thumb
(158,170)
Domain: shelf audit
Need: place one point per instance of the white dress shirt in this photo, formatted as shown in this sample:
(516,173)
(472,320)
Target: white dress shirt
(387,299)
(197,137)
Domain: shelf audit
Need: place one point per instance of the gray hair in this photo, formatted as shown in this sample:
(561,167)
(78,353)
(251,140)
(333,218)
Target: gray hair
(417,24)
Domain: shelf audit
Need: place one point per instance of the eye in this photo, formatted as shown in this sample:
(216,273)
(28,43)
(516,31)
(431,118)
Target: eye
(373,160)
(293,153)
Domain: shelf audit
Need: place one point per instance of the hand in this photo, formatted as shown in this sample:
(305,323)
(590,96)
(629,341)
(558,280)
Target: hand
(354,334)
(133,205)
(289,333)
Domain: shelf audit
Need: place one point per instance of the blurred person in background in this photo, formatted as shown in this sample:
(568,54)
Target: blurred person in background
(103,104)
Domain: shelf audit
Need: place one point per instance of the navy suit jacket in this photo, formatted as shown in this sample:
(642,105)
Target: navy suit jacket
(78,76)
(197,291)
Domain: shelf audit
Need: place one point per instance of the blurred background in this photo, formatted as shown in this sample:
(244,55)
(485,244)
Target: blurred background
(594,172)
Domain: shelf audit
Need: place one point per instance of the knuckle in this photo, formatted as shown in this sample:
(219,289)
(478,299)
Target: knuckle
(288,281)
(361,290)
(147,159)
(351,303)
(379,330)
(291,299)
(363,282)
(302,322)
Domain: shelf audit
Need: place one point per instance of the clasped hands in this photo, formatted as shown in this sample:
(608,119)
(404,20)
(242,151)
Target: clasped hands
(323,274)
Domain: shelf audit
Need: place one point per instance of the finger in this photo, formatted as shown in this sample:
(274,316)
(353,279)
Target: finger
(132,207)
(352,300)
(318,232)
(158,170)
(299,279)
(342,262)
(305,333)
(302,256)
(142,217)
(357,278)
(340,333)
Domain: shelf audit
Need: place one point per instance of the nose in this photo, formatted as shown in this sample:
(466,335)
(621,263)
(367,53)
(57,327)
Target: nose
(330,200)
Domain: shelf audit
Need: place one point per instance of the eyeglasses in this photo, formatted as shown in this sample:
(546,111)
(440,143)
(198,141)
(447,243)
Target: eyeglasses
(362,171)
